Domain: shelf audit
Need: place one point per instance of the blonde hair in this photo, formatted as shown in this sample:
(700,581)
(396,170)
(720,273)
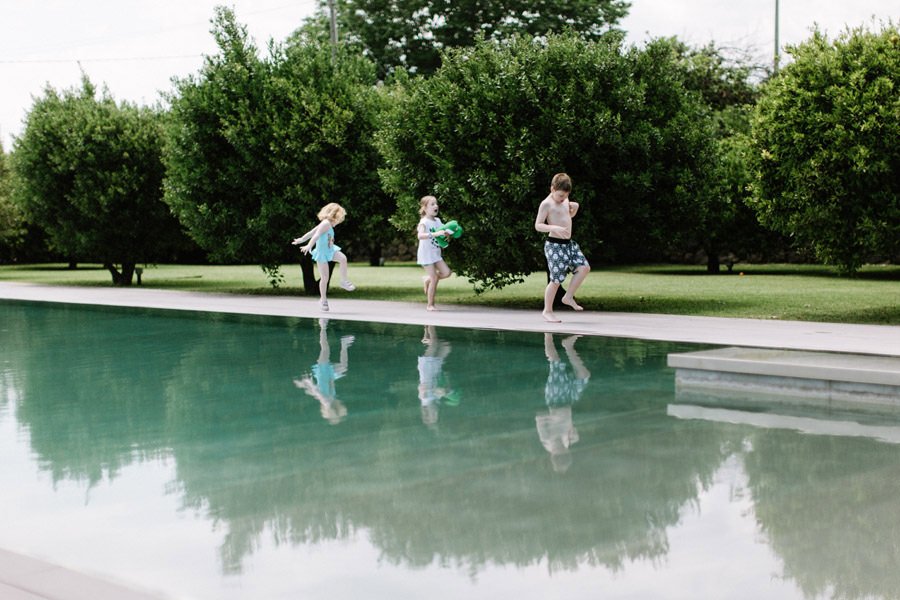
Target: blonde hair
(332,211)
(423,202)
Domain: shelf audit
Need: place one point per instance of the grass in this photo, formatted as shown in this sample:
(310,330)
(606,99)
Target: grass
(790,292)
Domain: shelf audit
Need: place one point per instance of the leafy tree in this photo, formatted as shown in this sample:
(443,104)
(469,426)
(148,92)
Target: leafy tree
(724,78)
(20,241)
(825,146)
(12,222)
(89,174)
(258,146)
(410,34)
(487,132)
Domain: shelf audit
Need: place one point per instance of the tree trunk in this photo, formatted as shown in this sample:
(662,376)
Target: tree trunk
(712,262)
(127,273)
(310,286)
(375,259)
(123,277)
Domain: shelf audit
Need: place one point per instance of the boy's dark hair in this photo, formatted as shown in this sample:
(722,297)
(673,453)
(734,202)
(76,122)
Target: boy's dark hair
(561,182)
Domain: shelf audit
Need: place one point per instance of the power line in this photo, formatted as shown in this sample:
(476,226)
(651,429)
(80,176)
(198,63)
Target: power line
(27,61)
(129,36)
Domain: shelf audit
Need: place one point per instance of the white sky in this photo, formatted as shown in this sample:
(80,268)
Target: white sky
(135,47)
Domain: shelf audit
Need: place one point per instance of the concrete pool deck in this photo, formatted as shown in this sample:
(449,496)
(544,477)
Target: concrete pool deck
(27,578)
(881,340)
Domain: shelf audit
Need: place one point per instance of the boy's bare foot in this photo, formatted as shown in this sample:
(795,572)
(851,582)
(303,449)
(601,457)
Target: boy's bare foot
(570,301)
(550,317)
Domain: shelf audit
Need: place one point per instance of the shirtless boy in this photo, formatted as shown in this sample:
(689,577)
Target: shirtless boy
(554,217)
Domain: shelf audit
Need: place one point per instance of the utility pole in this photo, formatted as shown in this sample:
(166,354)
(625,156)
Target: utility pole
(776,37)
(333,17)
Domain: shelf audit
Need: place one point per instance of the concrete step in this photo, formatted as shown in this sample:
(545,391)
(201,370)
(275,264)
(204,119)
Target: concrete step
(734,372)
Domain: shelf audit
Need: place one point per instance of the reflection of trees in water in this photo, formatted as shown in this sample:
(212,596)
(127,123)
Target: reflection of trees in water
(497,499)
(829,508)
(480,489)
(13,341)
(251,446)
(100,389)
(91,388)
(9,389)
(253,454)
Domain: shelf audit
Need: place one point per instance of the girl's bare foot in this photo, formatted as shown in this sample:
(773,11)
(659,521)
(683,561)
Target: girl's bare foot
(570,301)
(431,308)
(550,317)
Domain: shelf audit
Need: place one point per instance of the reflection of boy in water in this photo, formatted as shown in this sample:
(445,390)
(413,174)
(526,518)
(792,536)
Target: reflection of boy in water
(431,365)
(325,374)
(563,389)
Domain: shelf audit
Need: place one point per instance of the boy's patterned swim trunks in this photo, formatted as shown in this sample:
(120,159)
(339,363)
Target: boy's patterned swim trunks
(562,388)
(563,256)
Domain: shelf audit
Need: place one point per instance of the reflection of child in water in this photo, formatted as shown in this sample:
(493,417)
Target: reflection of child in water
(320,384)
(431,386)
(563,389)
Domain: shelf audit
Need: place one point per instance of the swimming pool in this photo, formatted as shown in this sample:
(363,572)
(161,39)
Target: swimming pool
(216,457)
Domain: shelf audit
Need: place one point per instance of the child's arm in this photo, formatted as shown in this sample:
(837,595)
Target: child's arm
(316,233)
(422,232)
(541,224)
(304,237)
(573,208)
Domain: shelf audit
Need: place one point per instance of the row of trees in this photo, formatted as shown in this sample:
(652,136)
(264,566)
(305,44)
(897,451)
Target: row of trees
(671,149)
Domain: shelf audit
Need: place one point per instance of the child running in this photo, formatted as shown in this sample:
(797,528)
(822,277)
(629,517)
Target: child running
(554,217)
(429,253)
(324,250)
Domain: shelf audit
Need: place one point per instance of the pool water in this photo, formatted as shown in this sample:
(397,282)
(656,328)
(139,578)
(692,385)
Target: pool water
(217,457)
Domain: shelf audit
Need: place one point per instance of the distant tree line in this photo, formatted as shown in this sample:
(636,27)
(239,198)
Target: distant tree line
(675,151)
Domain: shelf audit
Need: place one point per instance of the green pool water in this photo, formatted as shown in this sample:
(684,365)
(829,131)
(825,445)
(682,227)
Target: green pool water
(218,457)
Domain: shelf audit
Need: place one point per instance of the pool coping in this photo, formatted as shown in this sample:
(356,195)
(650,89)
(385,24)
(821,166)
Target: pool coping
(25,577)
(29,578)
(793,364)
(881,340)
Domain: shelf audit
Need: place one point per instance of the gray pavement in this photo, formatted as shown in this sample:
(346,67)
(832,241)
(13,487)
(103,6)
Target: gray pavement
(26,578)
(796,335)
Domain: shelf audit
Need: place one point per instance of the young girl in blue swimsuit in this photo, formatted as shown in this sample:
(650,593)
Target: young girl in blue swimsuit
(324,250)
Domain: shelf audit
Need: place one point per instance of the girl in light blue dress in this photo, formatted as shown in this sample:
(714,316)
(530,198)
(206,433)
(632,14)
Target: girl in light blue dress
(321,244)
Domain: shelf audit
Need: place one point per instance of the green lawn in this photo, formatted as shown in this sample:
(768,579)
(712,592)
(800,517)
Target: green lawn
(792,292)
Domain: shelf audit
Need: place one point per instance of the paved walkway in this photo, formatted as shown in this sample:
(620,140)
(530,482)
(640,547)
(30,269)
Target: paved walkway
(23,578)
(27,578)
(796,335)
